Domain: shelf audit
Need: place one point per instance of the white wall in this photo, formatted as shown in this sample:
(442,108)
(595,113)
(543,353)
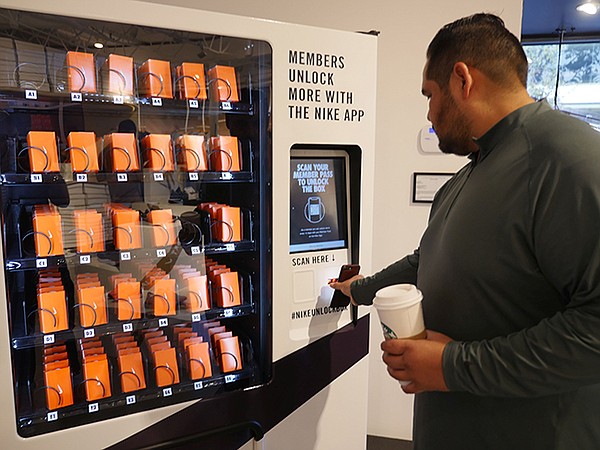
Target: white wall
(406,29)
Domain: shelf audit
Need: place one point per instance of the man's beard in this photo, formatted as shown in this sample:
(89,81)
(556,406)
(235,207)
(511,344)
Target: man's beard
(456,139)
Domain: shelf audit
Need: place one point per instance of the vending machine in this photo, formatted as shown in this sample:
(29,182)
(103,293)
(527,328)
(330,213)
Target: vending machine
(177,189)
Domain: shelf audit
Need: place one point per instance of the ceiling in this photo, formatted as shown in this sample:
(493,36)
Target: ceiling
(542,18)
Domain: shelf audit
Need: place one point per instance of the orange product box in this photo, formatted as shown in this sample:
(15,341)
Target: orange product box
(47,233)
(191,83)
(43,151)
(225,154)
(163,295)
(163,229)
(97,379)
(52,311)
(89,231)
(83,151)
(198,357)
(229,218)
(158,151)
(59,387)
(192,152)
(127,233)
(214,338)
(129,301)
(196,288)
(120,75)
(92,306)
(227,289)
(223,84)
(131,371)
(229,354)
(81,72)
(154,79)
(123,151)
(165,367)
(55,357)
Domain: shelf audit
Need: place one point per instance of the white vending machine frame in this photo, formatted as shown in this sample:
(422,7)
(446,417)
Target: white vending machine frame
(323,97)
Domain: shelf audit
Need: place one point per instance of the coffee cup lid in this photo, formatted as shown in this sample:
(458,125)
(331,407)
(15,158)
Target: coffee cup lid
(397,295)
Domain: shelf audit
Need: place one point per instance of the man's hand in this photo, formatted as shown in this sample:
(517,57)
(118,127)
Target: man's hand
(344,286)
(418,361)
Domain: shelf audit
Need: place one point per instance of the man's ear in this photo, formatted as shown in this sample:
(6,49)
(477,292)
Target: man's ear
(463,79)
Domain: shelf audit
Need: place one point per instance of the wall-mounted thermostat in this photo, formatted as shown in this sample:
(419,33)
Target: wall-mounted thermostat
(428,140)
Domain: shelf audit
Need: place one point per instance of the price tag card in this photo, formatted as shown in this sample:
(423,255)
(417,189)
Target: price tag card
(76,97)
(81,177)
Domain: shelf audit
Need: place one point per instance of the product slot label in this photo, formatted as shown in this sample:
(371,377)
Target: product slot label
(81,177)
(130,399)
(30,94)
(89,333)
(76,97)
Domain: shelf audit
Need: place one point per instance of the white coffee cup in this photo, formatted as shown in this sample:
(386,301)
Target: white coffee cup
(400,312)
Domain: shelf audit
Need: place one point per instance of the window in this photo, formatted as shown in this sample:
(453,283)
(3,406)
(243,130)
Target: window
(578,77)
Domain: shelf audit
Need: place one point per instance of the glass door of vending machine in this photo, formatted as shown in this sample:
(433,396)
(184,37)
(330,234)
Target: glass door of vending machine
(134,186)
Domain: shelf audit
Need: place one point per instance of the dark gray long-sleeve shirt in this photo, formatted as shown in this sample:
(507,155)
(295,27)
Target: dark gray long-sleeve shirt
(509,267)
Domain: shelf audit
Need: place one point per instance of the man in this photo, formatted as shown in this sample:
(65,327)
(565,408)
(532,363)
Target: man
(509,265)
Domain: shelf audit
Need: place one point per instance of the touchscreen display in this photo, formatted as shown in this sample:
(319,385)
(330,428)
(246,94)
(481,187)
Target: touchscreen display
(318,204)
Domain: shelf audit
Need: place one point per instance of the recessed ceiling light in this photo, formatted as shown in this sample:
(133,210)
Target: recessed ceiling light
(589,7)
(98,45)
